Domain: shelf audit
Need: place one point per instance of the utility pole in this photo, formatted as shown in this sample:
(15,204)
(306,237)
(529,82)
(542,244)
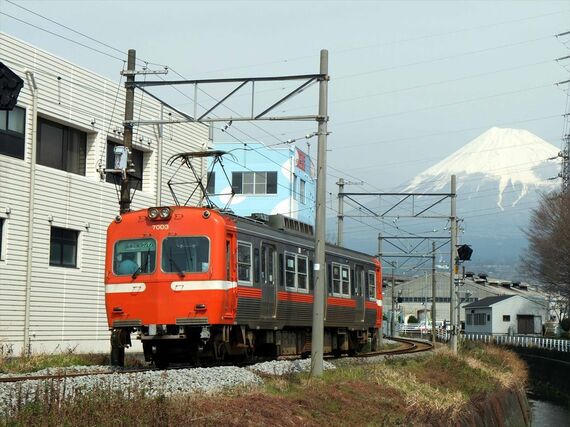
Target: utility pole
(125,202)
(320,222)
(340,224)
(452,265)
(433,293)
(565,155)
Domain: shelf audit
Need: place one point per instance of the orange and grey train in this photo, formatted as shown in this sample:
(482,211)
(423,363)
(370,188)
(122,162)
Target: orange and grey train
(196,283)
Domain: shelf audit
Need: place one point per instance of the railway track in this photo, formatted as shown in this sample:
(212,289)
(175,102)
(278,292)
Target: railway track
(407,346)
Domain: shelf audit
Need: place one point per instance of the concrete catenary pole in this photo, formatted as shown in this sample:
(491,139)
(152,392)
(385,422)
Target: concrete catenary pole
(452,268)
(340,221)
(433,294)
(379,257)
(320,222)
(393,317)
(125,202)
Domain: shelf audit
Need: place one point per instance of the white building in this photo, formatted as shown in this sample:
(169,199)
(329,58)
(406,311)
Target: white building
(54,204)
(505,314)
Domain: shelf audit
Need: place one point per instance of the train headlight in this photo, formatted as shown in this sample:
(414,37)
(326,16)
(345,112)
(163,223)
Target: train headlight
(152,213)
(164,213)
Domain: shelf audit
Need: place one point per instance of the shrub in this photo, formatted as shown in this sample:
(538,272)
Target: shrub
(412,319)
(565,324)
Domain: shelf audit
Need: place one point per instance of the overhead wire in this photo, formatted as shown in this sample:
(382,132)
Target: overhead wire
(75,31)
(436,59)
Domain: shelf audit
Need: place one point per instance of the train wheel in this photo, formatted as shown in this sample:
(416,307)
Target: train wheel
(117,356)
(160,361)
(220,350)
(120,338)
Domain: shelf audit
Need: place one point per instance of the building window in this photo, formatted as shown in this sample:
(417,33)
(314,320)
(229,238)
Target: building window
(61,147)
(371,284)
(479,319)
(302,185)
(137,157)
(254,182)
(295,194)
(63,247)
(469,319)
(296,272)
(211,183)
(506,318)
(341,280)
(12,132)
(244,263)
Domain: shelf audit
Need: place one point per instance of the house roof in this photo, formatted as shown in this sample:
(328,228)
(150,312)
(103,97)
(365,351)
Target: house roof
(489,301)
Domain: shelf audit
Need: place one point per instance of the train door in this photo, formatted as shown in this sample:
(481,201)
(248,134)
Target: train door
(268,281)
(359,294)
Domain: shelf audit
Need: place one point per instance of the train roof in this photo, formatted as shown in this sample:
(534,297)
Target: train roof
(289,230)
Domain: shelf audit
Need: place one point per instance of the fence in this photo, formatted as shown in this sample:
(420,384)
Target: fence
(518,340)
(522,341)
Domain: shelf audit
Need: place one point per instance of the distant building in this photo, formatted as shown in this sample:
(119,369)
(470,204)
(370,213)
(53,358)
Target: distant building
(505,314)
(413,297)
(55,204)
(269,180)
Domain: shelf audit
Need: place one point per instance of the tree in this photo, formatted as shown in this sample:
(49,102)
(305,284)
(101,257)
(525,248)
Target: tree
(548,255)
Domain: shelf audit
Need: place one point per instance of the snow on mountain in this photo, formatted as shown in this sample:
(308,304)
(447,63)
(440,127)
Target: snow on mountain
(510,160)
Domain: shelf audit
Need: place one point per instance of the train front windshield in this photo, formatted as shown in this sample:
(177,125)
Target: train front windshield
(133,257)
(186,254)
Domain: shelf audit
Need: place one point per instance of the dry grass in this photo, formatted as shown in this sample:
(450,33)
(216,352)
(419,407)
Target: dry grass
(437,389)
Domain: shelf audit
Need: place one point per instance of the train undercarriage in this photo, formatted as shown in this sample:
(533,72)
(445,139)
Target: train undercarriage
(164,345)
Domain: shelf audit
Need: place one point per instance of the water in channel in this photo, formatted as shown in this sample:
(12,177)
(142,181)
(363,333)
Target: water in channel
(546,414)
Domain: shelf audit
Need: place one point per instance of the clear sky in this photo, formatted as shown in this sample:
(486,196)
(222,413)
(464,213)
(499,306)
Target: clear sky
(411,81)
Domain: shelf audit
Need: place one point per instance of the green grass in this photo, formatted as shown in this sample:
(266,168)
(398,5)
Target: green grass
(34,363)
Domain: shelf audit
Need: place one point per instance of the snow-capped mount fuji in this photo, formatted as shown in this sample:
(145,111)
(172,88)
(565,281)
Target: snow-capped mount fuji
(514,161)
(500,175)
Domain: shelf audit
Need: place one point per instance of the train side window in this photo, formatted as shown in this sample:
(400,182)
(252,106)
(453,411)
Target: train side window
(302,282)
(371,284)
(340,280)
(345,273)
(256,265)
(244,263)
(290,269)
(336,286)
(296,272)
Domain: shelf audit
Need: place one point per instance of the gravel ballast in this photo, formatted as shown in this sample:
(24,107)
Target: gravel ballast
(152,383)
